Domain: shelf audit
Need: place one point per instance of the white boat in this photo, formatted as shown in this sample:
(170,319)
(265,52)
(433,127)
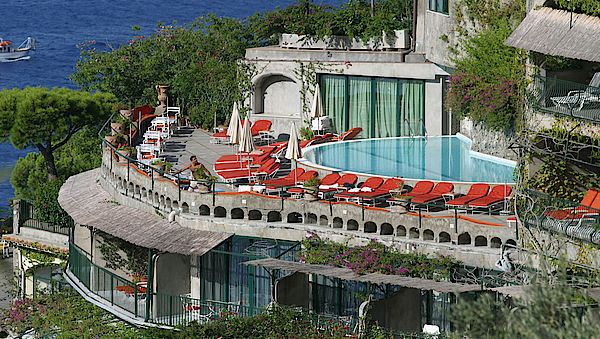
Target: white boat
(9,53)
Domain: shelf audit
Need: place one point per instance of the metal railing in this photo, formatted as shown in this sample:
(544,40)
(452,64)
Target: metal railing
(28,218)
(566,98)
(560,216)
(107,285)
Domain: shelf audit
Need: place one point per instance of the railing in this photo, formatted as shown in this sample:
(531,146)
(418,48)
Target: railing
(560,216)
(28,218)
(566,98)
(107,285)
(174,310)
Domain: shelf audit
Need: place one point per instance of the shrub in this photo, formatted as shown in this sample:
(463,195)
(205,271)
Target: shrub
(46,204)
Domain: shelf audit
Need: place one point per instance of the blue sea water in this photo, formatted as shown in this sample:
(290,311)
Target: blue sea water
(58,25)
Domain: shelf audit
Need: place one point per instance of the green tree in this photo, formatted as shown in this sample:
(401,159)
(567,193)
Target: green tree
(200,62)
(81,153)
(48,118)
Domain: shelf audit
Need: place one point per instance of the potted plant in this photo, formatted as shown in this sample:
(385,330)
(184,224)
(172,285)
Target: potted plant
(311,192)
(162,166)
(306,133)
(122,139)
(124,110)
(118,124)
(204,180)
(402,202)
(126,151)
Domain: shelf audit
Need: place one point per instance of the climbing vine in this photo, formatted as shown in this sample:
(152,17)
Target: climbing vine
(135,259)
(306,73)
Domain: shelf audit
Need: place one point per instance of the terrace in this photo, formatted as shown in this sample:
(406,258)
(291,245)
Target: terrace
(458,230)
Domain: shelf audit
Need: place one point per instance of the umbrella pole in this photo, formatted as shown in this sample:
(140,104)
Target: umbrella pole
(295,172)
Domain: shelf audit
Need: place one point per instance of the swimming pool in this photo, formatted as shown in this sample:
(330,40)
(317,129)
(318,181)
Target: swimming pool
(445,158)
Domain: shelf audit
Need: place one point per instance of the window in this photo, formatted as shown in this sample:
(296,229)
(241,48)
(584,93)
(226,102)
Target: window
(440,6)
(382,107)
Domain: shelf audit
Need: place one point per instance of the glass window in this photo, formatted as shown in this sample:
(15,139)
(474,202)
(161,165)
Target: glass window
(382,107)
(440,6)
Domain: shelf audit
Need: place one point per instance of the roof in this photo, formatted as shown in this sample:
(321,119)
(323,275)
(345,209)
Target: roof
(547,31)
(376,278)
(89,204)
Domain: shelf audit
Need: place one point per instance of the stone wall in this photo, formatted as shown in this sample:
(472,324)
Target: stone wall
(488,141)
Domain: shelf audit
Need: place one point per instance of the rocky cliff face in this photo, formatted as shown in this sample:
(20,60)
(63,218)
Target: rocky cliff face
(488,141)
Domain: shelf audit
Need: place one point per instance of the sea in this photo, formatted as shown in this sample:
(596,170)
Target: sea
(59,25)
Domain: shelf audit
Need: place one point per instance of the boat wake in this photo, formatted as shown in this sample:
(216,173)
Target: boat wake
(17,59)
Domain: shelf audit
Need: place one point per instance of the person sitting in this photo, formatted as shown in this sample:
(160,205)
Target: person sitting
(194,165)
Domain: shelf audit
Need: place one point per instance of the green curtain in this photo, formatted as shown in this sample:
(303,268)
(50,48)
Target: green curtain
(386,108)
(412,114)
(359,102)
(333,94)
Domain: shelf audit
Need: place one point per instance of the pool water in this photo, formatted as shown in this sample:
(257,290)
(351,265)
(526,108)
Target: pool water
(446,158)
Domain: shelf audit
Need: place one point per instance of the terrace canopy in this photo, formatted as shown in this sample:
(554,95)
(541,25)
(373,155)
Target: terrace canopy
(549,31)
(375,278)
(89,204)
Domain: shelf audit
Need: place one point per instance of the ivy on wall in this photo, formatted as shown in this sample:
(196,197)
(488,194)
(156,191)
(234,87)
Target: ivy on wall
(134,260)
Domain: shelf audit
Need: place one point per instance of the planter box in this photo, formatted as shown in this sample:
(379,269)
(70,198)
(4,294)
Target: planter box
(399,39)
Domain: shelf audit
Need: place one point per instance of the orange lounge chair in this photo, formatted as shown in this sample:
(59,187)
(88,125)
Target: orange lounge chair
(421,187)
(382,191)
(283,181)
(221,136)
(436,193)
(369,185)
(267,169)
(496,195)
(260,126)
(233,165)
(476,191)
(328,180)
(343,182)
(584,206)
(349,135)
(312,141)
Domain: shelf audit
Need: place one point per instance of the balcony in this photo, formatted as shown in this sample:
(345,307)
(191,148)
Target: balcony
(566,99)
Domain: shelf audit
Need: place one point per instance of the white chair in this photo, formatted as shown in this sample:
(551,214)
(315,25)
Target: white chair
(173,113)
(163,125)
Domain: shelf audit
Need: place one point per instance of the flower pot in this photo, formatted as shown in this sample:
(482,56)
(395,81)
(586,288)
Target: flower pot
(123,154)
(127,114)
(158,174)
(397,39)
(311,193)
(117,128)
(112,140)
(204,187)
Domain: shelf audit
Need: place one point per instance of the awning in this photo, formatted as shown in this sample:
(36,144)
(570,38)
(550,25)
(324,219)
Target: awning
(548,31)
(375,278)
(89,204)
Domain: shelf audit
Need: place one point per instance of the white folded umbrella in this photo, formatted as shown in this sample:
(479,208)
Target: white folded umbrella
(294,152)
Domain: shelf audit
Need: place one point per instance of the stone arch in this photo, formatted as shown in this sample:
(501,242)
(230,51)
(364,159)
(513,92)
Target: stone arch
(310,219)
(464,239)
(294,217)
(413,233)
(220,212)
(237,213)
(185,208)
(138,192)
(386,229)
(161,202)
(130,188)
(168,204)
(204,210)
(273,216)
(271,89)
(175,205)
(337,222)
(370,227)
(144,193)
(428,235)
(156,201)
(480,240)
(495,242)
(352,225)
(444,237)
(323,221)
(254,215)
(511,242)
(401,231)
